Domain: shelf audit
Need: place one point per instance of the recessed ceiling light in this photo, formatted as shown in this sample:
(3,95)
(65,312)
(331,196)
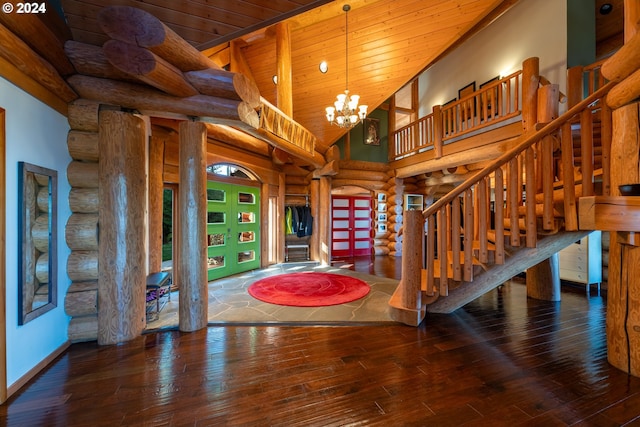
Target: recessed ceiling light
(324,67)
(606,9)
(275,79)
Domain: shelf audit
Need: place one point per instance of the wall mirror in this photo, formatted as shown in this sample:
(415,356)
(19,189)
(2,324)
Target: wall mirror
(37,219)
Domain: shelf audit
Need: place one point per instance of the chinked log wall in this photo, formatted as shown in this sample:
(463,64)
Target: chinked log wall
(81,300)
(108,188)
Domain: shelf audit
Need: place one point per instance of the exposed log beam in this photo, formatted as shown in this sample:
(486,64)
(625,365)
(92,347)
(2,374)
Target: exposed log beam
(225,84)
(129,95)
(33,65)
(316,159)
(44,34)
(224,134)
(135,26)
(330,169)
(238,139)
(32,86)
(90,60)
(148,68)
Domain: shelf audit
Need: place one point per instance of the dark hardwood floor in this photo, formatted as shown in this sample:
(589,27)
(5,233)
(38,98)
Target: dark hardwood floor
(502,360)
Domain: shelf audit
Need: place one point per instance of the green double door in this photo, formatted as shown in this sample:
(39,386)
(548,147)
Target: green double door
(233,229)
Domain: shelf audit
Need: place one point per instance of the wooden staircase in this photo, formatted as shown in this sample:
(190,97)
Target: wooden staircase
(518,211)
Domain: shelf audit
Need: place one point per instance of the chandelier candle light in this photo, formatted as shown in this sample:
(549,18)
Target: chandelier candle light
(345,113)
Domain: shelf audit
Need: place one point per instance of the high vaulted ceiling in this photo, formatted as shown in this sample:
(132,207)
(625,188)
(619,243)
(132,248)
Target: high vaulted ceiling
(390,42)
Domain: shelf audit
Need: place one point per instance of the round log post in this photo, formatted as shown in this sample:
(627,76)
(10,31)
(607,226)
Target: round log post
(324,220)
(530,82)
(412,260)
(314,189)
(192,274)
(543,280)
(156,192)
(623,289)
(122,247)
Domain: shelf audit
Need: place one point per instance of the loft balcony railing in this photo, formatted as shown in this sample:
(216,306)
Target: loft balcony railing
(492,105)
(277,123)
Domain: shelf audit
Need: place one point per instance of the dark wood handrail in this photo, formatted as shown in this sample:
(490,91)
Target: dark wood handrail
(527,140)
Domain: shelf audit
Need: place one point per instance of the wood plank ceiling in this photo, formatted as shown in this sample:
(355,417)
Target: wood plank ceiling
(390,42)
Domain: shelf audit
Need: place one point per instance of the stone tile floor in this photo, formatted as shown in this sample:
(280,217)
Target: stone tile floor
(229,301)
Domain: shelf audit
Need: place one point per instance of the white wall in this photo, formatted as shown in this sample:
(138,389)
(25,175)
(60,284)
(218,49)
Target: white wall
(36,134)
(532,28)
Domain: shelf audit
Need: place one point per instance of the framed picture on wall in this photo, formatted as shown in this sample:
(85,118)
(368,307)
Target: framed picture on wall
(371,131)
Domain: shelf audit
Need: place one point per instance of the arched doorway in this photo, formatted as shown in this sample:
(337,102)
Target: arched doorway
(233,220)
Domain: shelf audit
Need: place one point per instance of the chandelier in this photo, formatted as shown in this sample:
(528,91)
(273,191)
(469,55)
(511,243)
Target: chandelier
(345,111)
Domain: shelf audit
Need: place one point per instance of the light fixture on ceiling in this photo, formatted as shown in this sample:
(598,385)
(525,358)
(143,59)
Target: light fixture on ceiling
(324,67)
(345,112)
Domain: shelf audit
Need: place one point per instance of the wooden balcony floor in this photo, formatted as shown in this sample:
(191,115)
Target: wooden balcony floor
(501,360)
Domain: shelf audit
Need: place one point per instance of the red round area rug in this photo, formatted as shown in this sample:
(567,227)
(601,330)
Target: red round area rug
(309,289)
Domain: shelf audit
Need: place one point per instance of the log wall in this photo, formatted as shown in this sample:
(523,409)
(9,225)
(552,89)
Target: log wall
(81,231)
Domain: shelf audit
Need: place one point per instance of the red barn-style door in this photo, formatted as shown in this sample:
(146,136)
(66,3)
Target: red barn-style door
(350,226)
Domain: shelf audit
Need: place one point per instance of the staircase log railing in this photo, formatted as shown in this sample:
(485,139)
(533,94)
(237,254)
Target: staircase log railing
(582,81)
(492,104)
(466,231)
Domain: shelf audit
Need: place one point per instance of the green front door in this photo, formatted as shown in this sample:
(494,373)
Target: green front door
(233,229)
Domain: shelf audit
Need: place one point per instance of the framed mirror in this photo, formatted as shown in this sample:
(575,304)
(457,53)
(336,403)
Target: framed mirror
(37,241)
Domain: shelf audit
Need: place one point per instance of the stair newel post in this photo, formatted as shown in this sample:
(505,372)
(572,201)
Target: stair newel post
(406,303)
(412,259)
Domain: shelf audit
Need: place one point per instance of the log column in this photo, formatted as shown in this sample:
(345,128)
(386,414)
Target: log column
(314,189)
(156,193)
(324,221)
(543,279)
(623,288)
(192,274)
(123,239)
